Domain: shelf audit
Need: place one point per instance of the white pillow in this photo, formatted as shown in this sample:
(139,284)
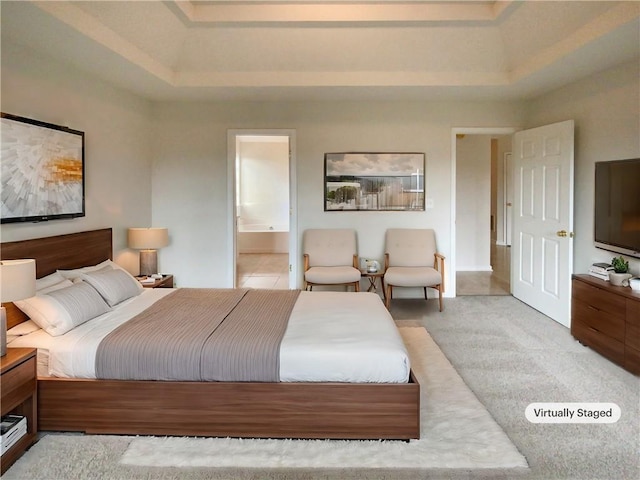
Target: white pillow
(57,286)
(114,285)
(24,328)
(75,274)
(48,281)
(59,311)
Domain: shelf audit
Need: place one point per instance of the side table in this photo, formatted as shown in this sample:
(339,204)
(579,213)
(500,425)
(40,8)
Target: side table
(373,277)
(165,282)
(19,397)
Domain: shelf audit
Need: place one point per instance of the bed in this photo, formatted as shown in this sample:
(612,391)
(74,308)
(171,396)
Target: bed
(294,409)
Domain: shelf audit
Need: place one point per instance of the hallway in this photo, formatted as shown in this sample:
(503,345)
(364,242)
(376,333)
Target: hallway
(496,282)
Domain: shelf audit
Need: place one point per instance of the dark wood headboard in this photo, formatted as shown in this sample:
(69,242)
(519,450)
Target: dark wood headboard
(60,252)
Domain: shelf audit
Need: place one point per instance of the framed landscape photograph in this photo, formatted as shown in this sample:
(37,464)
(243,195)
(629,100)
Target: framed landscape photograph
(42,176)
(374,181)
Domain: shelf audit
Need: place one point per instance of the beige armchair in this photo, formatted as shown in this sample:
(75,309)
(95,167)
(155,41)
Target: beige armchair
(411,260)
(330,258)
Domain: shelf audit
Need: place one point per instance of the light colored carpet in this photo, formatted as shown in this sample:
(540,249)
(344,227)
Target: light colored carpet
(458,435)
(456,432)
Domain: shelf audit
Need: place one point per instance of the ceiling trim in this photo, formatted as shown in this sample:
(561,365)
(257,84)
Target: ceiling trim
(347,13)
(612,19)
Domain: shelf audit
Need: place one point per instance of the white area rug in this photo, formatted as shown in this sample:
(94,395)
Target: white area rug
(456,432)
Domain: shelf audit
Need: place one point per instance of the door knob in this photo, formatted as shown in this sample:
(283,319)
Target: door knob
(561,233)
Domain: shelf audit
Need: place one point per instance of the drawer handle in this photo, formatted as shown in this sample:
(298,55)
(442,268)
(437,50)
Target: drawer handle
(593,308)
(593,329)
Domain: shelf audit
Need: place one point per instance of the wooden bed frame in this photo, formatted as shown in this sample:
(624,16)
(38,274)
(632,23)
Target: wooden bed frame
(236,409)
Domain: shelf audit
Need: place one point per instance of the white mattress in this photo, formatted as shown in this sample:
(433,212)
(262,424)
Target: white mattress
(331,337)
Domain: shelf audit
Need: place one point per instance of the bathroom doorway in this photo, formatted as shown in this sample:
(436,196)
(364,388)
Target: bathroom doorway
(262,210)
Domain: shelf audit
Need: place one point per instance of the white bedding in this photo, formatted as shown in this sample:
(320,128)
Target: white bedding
(331,337)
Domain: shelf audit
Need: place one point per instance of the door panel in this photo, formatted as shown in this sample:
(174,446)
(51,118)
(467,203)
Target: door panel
(542,259)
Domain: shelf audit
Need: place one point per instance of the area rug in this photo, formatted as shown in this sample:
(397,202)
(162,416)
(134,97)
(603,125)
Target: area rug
(457,432)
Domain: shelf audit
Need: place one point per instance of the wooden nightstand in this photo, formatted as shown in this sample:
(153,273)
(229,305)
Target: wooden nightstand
(19,397)
(165,282)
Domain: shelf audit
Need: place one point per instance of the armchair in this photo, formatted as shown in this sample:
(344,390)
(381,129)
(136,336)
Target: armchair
(330,258)
(411,260)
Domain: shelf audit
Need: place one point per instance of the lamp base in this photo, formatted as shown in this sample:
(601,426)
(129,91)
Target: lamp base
(148,262)
(3,331)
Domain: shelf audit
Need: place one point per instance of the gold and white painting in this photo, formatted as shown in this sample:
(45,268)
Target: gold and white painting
(42,171)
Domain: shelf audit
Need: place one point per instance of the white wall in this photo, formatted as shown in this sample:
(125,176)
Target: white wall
(263,182)
(117,144)
(190,169)
(473,206)
(606,110)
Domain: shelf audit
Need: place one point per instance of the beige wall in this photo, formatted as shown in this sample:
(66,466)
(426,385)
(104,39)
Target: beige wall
(473,203)
(190,169)
(117,144)
(606,110)
(165,164)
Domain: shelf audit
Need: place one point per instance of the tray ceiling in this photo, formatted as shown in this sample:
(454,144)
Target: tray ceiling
(264,50)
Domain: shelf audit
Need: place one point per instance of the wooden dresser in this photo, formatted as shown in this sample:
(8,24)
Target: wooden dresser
(607,319)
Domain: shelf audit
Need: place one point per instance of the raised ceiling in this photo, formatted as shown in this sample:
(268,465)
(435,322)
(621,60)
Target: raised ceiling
(299,50)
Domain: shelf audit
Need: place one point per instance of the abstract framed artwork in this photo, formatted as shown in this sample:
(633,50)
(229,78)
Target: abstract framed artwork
(374,181)
(42,174)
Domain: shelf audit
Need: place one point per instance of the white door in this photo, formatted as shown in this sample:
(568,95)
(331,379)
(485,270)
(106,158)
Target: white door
(542,248)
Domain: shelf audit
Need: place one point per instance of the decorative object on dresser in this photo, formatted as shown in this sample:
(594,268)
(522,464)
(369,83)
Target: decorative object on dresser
(601,271)
(620,275)
(607,319)
(148,241)
(19,398)
(17,281)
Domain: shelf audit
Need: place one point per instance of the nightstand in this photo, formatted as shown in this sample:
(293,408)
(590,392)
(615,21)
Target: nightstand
(165,282)
(19,397)
(373,276)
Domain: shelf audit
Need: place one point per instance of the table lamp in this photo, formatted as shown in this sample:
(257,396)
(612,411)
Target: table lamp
(148,240)
(17,281)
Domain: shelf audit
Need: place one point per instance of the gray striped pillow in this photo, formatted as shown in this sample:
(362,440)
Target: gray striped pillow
(113,285)
(59,311)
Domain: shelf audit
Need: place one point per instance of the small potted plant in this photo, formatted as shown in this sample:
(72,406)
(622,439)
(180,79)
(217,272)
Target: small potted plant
(620,275)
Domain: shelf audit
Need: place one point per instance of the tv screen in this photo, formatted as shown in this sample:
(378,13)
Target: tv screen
(42,176)
(617,206)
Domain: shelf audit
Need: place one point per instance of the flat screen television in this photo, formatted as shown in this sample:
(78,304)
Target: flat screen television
(617,206)
(42,175)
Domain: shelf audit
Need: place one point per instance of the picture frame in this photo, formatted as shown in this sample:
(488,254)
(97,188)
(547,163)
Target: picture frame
(42,176)
(374,181)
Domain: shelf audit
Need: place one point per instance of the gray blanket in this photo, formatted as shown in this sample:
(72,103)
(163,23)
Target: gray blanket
(198,334)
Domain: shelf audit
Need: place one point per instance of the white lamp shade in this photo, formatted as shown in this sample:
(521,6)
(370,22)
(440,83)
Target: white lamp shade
(148,238)
(17,279)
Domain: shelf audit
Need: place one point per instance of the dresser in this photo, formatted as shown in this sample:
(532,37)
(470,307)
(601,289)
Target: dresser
(607,319)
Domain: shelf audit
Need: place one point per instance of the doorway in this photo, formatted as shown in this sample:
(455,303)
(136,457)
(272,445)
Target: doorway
(260,178)
(480,253)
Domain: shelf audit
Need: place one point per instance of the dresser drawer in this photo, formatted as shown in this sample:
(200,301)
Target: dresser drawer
(609,347)
(632,333)
(606,303)
(18,383)
(606,323)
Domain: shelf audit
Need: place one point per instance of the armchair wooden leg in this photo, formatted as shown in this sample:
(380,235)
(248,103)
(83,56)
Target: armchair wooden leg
(425,294)
(440,295)
(357,286)
(387,299)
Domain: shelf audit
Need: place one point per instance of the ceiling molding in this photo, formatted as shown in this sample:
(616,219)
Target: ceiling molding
(340,12)
(618,16)
(93,29)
